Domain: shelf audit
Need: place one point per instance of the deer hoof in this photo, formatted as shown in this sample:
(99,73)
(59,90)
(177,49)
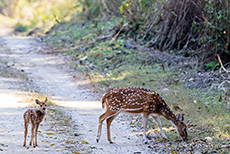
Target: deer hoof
(111,142)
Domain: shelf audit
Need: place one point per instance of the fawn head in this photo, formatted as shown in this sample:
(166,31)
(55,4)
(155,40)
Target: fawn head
(42,104)
(181,127)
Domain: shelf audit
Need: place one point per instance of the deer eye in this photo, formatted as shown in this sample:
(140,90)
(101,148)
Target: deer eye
(184,129)
(41,105)
(45,105)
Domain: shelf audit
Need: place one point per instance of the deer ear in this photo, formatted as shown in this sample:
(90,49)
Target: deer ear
(46,100)
(37,101)
(178,117)
(182,117)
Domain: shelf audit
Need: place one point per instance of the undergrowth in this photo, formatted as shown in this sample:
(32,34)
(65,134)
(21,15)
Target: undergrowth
(98,54)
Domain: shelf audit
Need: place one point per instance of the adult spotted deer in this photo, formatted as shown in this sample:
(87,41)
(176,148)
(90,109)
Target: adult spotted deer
(35,117)
(138,100)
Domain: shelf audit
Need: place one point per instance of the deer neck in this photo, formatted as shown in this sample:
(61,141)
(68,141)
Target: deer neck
(170,116)
(40,114)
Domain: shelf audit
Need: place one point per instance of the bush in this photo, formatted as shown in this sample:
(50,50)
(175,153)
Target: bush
(182,26)
(20,28)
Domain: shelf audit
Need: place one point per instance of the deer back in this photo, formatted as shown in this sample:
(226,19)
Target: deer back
(134,100)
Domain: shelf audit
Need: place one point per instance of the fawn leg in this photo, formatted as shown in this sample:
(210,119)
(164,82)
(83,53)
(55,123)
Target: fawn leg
(32,135)
(25,133)
(145,122)
(158,121)
(109,121)
(36,134)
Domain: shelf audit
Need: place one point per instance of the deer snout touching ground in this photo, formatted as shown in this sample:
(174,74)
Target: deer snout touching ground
(35,117)
(138,100)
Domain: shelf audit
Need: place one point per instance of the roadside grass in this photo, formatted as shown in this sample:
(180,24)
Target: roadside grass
(41,97)
(109,64)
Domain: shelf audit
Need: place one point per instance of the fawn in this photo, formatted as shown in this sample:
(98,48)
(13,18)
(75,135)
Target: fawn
(138,100)
(35,117)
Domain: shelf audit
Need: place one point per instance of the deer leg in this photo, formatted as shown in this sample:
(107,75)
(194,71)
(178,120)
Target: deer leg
(32,136)
(101,119)
(109,121)
(25,132)
(157,119)
(36,133)
(145,122)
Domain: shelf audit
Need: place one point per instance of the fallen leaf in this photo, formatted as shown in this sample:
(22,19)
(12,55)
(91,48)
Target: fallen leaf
(44,140)
(51,144)
(53,112)
(66,141)
(84,142)
(162,139)
(132,122)
(49,133)
(72,142)
(91,147)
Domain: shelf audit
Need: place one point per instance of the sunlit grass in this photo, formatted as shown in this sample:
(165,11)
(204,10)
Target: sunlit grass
(41,97)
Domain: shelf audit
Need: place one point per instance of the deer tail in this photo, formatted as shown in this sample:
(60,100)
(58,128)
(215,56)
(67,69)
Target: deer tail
(103,101)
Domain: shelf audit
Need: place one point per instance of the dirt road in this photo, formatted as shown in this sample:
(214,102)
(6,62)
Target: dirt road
(49,74)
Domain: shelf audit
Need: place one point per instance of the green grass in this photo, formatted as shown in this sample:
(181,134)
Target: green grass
(109,65)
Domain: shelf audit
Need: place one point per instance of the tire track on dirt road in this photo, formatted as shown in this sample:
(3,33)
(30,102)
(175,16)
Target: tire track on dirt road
(50,74)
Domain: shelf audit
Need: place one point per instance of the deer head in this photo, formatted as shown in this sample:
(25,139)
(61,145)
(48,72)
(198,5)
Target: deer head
(42,105)
(181,127)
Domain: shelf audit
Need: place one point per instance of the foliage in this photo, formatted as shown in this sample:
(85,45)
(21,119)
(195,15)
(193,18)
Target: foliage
(217,27)
(182,26)
(40,13)
(20,28)
(90,8)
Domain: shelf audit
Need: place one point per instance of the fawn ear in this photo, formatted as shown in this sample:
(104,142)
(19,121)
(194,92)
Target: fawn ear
(37,101)
(46,100)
